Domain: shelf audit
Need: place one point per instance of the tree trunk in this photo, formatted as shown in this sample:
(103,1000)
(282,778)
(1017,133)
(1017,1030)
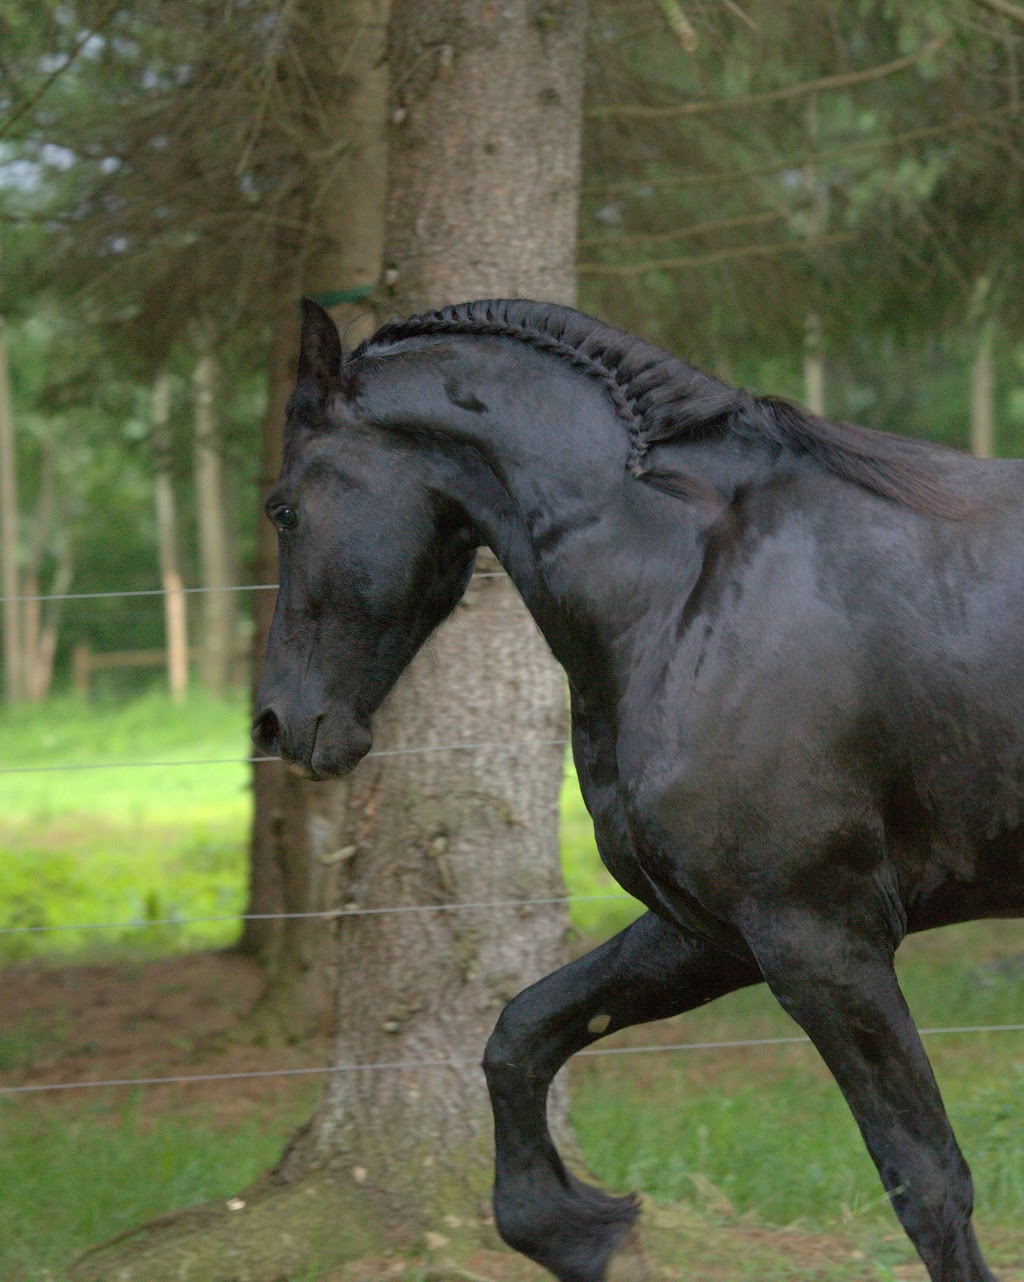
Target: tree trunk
(814,365)
(346,43)
(211,517)
(13,684)
(475,210)
(43,669)
(167,539)
(817,225)
(32,615)
(983,433)
(259,936)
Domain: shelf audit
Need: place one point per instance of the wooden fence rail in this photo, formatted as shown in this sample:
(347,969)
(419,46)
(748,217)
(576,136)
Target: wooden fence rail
(86,662)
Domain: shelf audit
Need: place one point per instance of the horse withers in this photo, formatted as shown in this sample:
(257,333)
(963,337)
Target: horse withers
(795,654)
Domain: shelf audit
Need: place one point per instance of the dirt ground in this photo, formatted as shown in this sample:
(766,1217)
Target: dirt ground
(185,1016)
(178,1016)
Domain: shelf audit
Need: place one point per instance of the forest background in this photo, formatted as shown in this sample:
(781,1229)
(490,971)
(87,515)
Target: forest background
(814,200)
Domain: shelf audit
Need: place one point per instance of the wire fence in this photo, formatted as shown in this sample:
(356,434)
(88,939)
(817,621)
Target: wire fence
(234,761)
(326,914)
(133,592)
(337,914)
(406,1065)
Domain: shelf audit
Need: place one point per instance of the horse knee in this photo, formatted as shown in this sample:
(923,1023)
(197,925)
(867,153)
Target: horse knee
(509,1047)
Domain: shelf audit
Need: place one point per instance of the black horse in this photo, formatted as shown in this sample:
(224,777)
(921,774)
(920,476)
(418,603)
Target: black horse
(795,651)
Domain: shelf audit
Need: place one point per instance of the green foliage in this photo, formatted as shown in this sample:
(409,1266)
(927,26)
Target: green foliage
(169,174)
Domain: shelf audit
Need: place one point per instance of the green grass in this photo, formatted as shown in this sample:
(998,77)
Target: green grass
(149,844)
(122,844)
(767,1128)
(76,1176)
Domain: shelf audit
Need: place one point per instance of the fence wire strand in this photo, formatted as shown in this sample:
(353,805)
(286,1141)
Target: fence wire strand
(227,587)
(255,761)
(411,1064)
(339,913)
(326,914)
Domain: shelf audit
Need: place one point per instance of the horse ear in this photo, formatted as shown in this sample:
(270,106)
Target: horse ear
(320,350)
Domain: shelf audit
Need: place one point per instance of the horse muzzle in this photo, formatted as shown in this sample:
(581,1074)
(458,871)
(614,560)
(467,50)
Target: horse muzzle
(319,747)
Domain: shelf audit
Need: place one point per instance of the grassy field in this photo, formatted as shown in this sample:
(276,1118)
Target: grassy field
(167,841)
(755,1139)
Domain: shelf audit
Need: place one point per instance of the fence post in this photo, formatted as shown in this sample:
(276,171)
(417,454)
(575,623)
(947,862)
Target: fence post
(82,669)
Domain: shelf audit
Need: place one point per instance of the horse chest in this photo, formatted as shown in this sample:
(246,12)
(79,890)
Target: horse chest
(654,866)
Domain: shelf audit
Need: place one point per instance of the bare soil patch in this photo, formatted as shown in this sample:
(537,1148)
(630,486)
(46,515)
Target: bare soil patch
(173,1017)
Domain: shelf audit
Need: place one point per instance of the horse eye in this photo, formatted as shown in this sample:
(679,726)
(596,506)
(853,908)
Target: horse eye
(286,518)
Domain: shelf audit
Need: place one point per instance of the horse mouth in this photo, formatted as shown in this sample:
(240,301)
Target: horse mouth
(323,756)
(333,760)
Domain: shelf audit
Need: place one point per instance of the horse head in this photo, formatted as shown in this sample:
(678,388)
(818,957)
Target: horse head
(372,554)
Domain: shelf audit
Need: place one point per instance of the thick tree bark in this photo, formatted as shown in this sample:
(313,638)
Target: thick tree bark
(211,518)
(13,684)
(476,209)
(167,539)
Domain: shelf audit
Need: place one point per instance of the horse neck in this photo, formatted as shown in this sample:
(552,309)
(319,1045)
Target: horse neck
(594,553)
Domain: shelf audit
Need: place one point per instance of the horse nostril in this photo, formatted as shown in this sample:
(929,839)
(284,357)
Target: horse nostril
(266,733)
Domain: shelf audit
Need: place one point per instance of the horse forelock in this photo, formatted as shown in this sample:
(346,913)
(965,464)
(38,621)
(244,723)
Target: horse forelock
(661,398)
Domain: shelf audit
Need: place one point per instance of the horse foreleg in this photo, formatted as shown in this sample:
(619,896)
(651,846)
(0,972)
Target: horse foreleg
(648,971)
(839,984)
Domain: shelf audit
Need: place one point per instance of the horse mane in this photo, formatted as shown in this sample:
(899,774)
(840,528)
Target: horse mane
(662,398)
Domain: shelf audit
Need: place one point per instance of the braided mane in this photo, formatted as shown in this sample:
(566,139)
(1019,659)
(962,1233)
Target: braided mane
(661,397)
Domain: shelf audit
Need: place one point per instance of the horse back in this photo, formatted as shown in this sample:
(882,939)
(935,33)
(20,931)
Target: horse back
(848,691)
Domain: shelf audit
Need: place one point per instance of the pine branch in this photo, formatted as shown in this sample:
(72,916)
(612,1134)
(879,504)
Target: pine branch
(678,24)
(824,157)
(1005,8)
(694,229)
(718,256)
(31,101)
(823,84)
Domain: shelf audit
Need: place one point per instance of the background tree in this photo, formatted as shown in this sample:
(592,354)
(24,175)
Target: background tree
(471,212)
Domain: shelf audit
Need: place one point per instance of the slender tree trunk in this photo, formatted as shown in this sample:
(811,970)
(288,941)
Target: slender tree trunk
(13,684)
(814,365)
(43,669)
(347,210)
(31,622)
(260,937)
(211,517)
(817,225)
(983,433)
(167,539)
